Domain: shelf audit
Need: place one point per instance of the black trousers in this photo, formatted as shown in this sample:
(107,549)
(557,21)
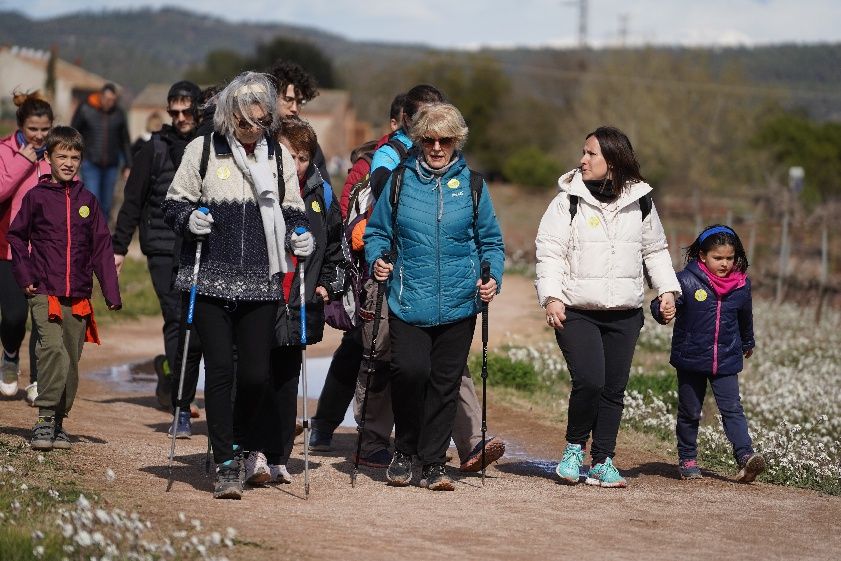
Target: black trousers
(13,313)
(598,346)
(427,364)
(340,383)
(221,325)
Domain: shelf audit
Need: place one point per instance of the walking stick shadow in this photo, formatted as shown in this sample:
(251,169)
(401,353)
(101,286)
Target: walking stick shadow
(199,428)
(530,468)
(187,469)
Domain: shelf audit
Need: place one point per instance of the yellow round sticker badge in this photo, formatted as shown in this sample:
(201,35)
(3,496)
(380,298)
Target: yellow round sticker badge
(84,211)
(594,221)
(453,183)
(223,172)
(316,207)
(700,295)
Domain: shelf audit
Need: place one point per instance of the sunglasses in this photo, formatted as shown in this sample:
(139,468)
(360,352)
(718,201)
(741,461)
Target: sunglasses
(263,123)
(174,113)
(444,142)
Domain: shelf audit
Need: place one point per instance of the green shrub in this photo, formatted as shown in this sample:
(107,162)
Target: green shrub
(660,385)
(503,371)
(531,167)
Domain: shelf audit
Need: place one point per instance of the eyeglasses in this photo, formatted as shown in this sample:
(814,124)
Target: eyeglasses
(444,142)
(174,113)
(288,100)
(245,124)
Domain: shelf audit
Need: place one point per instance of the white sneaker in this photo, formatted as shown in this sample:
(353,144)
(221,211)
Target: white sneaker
(32,393)
(256,469)
(279,474)
(9,378)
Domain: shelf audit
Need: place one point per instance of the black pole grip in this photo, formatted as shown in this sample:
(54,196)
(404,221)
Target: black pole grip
(486,272)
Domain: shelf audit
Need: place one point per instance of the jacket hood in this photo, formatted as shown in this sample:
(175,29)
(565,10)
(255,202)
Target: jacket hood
(47,182)
(312,182)
(573,183)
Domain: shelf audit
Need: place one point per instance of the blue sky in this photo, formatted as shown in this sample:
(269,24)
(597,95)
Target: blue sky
(470,23)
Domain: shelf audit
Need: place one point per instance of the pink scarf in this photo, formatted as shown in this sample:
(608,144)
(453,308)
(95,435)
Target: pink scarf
(724,285)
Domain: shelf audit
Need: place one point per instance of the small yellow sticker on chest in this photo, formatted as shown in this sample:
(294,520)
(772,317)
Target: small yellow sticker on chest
(223,172)
(84,211)
(700,295)
(594,221)
(453,183)
(316,207)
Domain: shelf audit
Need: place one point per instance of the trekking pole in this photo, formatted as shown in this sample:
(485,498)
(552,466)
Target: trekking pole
(193,288)
(486,277)
(306,421)
(369,372)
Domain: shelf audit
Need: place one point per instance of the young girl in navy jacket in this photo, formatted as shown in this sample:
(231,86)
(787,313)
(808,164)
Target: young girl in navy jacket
(713,332)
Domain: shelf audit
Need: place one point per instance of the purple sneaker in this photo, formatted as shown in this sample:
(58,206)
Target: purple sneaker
(689,469)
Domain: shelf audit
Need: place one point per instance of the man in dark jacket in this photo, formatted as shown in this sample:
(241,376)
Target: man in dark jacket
(105,130)
(145,191)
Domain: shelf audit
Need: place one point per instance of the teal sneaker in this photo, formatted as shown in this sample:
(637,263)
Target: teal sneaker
(569,470)
(605,475)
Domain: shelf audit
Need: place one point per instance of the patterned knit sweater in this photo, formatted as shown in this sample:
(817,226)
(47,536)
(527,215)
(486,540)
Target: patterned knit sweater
(234,261)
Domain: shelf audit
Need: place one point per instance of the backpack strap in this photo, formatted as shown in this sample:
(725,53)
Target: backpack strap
(396,184)
(646,202)
(398,147)
(205,155)
(328,196)
(476,183)
(573,207)
(281,182)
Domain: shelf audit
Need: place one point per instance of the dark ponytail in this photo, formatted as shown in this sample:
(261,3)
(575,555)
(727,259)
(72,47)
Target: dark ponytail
(31,104)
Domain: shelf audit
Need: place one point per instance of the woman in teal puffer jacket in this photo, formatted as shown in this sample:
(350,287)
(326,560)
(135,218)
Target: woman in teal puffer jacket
(431,249)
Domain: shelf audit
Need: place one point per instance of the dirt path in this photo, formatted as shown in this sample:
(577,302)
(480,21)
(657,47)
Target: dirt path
(521,513)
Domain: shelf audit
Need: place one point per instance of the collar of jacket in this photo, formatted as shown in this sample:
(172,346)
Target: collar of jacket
(573,183)
(312,181)
(168,133)
(455,169)
(696,271)
(46,181)
(223,148)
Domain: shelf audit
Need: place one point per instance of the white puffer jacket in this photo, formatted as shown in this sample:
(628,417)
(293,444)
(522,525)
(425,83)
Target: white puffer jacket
(596,263)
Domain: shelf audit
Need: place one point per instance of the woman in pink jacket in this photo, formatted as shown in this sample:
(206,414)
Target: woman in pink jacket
(22,162)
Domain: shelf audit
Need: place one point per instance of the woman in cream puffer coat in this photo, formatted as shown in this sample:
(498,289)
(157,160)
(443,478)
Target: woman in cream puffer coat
(596,241)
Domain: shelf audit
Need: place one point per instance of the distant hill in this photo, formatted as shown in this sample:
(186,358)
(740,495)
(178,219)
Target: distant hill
(147,45)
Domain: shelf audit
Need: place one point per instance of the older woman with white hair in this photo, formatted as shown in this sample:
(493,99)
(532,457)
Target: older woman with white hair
(249,184)
(430,231)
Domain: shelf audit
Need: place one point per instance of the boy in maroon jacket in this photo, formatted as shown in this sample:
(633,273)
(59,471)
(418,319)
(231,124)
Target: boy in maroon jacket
(58,239)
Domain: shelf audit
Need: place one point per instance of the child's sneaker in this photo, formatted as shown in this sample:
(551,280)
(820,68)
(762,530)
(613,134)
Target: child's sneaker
(689,469)
(399,472)
(42,434)
(9,372)
(183,425)
(32,393)
(228,484)
(751,466)
(257,469)
(61,440)
(320,441)
(605,474)
(494,450)
(279,474)
(569,468)
(434,477)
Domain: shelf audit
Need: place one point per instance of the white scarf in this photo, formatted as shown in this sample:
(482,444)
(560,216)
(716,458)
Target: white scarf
(259,173)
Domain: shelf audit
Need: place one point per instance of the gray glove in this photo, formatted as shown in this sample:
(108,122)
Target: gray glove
(200,222)
(302,244)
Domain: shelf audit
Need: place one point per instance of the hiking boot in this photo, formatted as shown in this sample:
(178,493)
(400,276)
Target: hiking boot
(751,465)
(380,459)
(605,474)
(279,474)
(320,441)
(399,471)
(239,457)
(228,484)
(32,393)
(689,469)
(434,477)
(494,449)
(42,434)
(163,389)
(257,469)
(9,371)
(569,468)
(183,425)
(61,440)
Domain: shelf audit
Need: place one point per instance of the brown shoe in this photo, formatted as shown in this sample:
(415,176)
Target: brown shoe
(494,450)
(752,465)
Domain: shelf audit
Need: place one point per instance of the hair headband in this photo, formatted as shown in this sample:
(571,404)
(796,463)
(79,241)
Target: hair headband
(715,230)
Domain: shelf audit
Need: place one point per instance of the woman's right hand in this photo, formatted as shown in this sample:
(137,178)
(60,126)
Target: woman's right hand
(556,314)
(382,270)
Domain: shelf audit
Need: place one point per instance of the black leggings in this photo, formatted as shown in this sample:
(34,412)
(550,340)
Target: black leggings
(13,313)
(340,384)
(221,325)
(275,431)
(598,347)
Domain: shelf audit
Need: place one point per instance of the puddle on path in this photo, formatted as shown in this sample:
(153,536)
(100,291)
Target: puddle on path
(140,377)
